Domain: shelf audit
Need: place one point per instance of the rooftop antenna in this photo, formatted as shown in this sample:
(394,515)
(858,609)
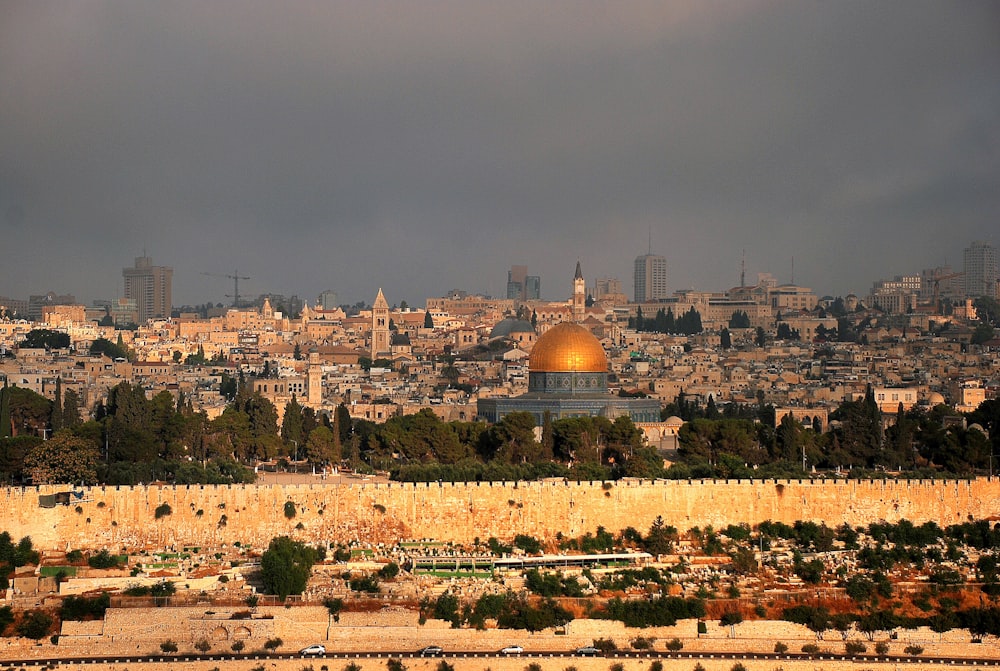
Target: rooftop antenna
(743,269)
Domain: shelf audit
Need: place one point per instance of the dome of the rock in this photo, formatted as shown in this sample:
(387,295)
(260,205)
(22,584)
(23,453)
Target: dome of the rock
(566,348)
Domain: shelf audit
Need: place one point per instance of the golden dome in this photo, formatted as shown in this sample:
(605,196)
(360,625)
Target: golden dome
(565,348)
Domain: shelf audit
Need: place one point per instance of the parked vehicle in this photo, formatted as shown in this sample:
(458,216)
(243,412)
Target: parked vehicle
(431,651)
(512,650)
(588,650)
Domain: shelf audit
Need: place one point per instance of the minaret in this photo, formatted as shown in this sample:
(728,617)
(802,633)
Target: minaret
(380,326)
(579,295)
(314,381)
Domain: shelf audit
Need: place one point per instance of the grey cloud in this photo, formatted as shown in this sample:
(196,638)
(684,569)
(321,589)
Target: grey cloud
(428,146)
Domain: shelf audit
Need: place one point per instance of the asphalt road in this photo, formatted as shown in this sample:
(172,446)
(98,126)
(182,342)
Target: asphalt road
(980,662)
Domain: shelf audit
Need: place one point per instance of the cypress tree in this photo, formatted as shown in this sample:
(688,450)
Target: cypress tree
(5,425)
(56,416)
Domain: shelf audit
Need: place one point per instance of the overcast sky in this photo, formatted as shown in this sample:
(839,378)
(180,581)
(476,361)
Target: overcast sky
(424,146)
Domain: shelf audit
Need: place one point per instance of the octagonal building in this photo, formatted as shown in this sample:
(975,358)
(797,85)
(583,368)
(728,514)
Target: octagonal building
(568,377)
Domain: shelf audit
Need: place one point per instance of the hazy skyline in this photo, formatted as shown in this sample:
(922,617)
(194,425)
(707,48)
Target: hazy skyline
(428,146)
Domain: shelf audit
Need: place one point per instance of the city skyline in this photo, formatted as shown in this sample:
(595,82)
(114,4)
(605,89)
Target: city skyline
(429,148)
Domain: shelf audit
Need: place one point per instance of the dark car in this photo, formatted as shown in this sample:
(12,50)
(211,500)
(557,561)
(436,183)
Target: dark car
(431,651)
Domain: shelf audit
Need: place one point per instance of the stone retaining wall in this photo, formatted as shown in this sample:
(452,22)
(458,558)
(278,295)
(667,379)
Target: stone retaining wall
(212,516)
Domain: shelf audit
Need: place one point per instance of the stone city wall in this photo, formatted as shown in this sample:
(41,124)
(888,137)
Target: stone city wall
(211,516)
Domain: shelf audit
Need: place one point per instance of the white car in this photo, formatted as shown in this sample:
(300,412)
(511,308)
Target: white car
(512,650)
(312,650)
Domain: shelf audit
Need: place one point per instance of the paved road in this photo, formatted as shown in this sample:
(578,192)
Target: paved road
(982,662)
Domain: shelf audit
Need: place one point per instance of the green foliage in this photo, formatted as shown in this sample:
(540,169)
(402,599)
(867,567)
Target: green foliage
(674,645)
(642,643)
(168,646)
(855,648)
(444,666)
(780,648)
(104,560)
(658,611)
(285,566)
(273,644)
(45,339)
(289,509)
(529,544)
(367,584)
(162,510)
(605,644)
(65,459)
(35,624)
(389,571)
(83,608)
(6,618)
(203,645)
(913,650)
(108,349)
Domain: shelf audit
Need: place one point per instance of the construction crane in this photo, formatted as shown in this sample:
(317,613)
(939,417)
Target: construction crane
(935,301)
(235,277)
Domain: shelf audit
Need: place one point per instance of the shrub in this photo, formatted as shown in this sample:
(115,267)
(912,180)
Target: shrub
(168,646)
(444,666)
(162,510)
(35,625)
(738,666)
(882,648)
(642,642)
(389,571)
(913,650)
(289,509)
(352,666)
(855,648)
(780,648)
(656,665)
(810,648)
(238,646)
(605,645)
(395,665)
(534,666)
(103,559)
(272,643)
(203,645)
(675,645)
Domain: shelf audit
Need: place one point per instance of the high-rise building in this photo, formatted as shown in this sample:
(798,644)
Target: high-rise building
(150,287)
(981,270)
(327,300)
(522,286)
(650,278)
(532,287)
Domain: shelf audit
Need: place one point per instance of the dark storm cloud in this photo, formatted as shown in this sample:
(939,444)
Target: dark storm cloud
(428,146)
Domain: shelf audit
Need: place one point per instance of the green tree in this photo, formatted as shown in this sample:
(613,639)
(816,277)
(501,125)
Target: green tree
(64,459)
(56,418)
(322,446)
(291,423)
(45,339)
(108,348)
(285,566)
(5,418)
(71,409)
(35,624)
(428,320)
(725,339)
